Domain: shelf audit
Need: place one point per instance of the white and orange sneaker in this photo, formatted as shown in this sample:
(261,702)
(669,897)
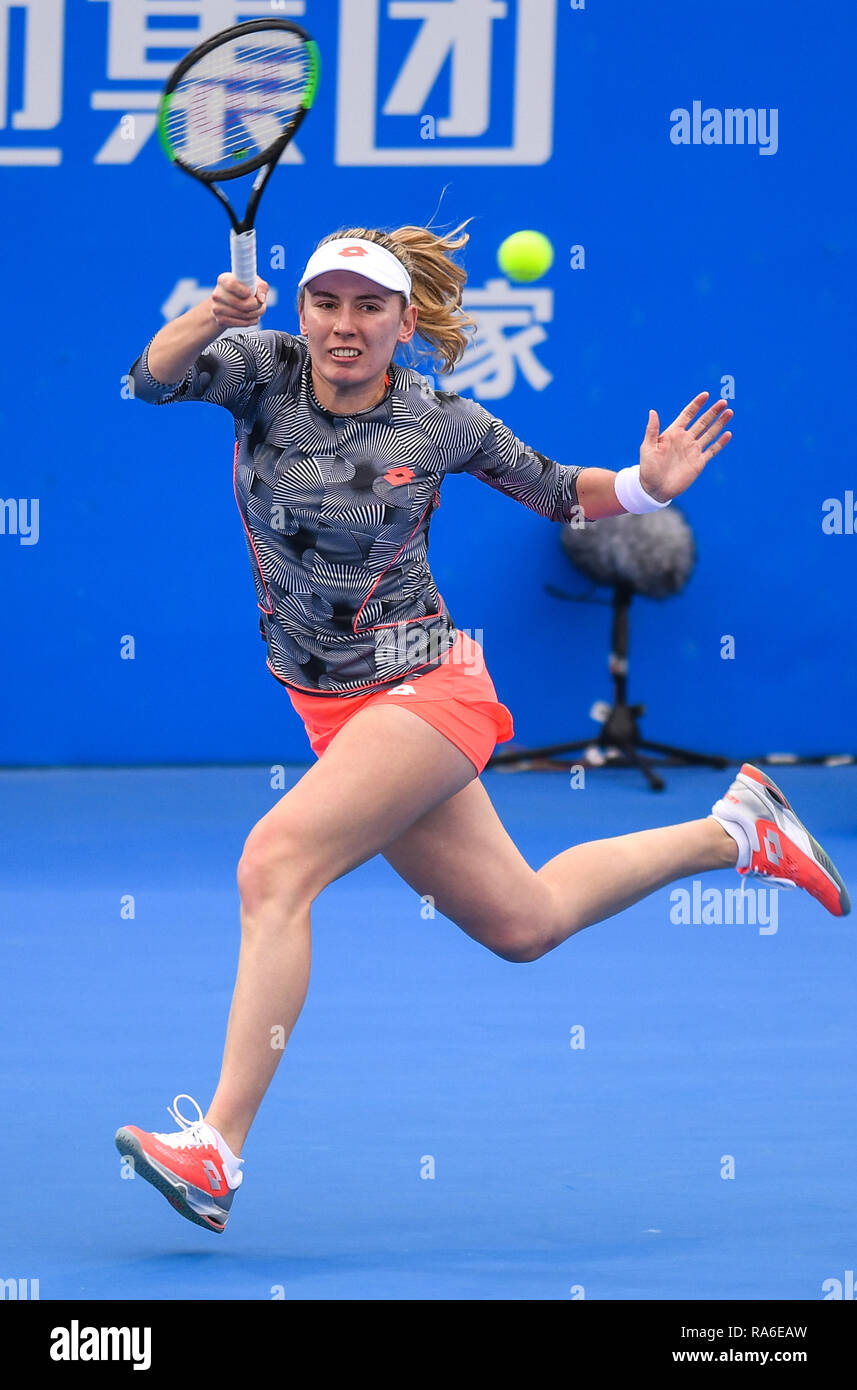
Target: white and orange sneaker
(194,1168)
(773,844)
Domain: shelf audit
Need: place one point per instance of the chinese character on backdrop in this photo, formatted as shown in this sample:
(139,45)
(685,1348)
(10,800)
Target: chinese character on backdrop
(31,65)
(509,319)
(469,38)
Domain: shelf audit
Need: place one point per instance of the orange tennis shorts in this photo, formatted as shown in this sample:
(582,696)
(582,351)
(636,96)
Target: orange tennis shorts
(457,697)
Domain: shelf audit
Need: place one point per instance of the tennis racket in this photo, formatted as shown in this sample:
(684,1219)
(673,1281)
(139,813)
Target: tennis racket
(231,106)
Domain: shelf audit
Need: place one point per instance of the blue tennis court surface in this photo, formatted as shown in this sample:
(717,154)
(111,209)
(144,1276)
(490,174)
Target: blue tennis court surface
(599,1170)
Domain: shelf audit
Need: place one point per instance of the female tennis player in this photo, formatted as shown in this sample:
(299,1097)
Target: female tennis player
(340,453)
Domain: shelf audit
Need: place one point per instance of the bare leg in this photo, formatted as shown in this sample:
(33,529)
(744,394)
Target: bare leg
(380,773)
(461,854)
(270,989)
(603,877)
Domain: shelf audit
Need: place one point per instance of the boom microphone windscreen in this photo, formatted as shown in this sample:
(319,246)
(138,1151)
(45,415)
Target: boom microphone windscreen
(653,553)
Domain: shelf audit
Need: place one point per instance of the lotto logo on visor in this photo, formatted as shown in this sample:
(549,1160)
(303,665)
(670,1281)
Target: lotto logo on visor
(364,258)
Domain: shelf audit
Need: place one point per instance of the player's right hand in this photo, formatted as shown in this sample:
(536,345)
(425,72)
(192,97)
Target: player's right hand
(234,305)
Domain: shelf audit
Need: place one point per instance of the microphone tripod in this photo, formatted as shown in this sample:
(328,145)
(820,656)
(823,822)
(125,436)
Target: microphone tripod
(620,741)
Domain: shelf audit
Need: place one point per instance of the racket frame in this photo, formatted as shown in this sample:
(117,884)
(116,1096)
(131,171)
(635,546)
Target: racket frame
(243,236)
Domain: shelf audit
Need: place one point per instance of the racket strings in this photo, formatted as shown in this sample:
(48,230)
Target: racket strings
(236,102)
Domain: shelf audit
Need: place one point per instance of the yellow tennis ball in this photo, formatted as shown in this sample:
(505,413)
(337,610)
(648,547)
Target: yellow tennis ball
(525,255)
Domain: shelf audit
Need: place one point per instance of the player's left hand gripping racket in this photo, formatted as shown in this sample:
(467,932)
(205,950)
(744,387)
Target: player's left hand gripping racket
(231,106)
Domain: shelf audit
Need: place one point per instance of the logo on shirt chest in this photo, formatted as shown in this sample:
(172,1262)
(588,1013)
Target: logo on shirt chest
(396,477)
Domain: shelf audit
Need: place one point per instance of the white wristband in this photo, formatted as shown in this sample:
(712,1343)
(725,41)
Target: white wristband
(632,495)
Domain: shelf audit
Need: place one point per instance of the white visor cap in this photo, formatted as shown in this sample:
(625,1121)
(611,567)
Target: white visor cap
(362,258)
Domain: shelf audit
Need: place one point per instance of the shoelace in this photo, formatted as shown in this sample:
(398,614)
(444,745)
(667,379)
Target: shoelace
(191,1130)
(191,1133)
(765,874)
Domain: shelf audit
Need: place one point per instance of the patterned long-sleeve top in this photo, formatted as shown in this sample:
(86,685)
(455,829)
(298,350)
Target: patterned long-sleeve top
(336,508)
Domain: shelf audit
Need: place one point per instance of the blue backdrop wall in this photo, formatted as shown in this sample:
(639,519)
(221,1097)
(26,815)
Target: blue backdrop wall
(700,265)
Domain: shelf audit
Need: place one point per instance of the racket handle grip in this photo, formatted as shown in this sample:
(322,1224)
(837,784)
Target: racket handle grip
(243,248)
